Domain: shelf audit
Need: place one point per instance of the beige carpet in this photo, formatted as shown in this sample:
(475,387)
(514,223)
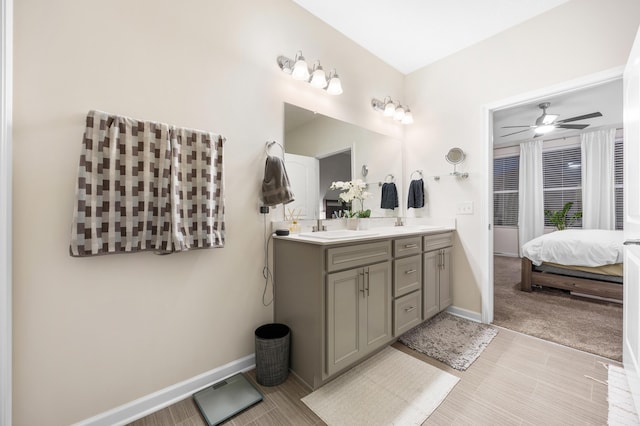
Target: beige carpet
(450,339)
(390,388)
(554,315)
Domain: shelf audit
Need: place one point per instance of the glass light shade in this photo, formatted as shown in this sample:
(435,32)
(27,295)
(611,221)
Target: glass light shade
(541,130)
(335,86)
(398,115)
(389,109)
(318,78)
(300,70)
(408,117)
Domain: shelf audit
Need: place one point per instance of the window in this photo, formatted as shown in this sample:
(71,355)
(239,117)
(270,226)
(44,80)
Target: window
(506,172)
(619,182)
(562,177)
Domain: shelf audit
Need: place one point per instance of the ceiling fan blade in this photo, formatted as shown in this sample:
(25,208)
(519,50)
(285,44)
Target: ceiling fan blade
(515,133)
(513,127)
(572,126)
(580,117)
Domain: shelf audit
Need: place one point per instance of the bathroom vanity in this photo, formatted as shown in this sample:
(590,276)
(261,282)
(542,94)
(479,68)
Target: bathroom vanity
(345,294)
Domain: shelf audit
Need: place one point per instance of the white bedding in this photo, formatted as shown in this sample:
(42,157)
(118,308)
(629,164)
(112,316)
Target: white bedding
(577,247)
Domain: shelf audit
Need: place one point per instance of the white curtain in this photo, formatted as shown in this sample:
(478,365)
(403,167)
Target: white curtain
(598,179)
(531,195)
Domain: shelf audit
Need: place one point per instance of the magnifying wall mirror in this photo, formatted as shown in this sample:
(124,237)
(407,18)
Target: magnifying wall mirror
(456,156)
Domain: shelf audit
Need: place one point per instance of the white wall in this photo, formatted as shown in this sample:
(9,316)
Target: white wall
(93,333)
(447,100)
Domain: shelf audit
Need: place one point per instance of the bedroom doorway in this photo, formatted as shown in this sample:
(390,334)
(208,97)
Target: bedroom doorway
(504,270)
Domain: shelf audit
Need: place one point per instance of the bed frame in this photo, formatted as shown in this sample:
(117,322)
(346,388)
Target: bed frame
(591,287)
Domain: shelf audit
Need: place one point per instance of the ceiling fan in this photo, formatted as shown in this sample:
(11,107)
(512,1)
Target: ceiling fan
(548,122)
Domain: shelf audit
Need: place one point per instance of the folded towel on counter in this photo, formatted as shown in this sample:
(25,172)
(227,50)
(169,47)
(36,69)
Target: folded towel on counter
(389,197)
(416,194)
(276,188)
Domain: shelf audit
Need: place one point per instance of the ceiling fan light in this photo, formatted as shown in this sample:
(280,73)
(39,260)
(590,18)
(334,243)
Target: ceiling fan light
(549,118)
(541,130)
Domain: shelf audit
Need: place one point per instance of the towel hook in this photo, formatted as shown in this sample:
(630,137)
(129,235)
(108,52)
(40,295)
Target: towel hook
(419,172)
(270,144)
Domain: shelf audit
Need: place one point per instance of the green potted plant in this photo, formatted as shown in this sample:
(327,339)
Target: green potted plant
(561,218)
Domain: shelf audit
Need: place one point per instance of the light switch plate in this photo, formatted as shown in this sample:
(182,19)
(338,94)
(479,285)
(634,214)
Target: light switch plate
(465,208)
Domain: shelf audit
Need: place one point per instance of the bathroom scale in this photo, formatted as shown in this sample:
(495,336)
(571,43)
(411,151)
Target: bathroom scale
(226,398)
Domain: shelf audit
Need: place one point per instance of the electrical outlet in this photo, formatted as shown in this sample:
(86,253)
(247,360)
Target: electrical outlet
(465,208)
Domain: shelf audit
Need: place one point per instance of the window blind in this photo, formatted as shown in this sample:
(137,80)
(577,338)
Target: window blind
(506,172)
(618,156)
(562,181)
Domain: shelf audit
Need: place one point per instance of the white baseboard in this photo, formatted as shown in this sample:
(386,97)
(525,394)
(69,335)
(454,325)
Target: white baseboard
(151,403)
(464,313)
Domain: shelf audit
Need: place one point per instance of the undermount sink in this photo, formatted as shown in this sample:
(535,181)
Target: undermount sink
(337,234)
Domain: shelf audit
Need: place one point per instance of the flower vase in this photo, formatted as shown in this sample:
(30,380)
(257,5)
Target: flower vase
(363,223)
(352,223)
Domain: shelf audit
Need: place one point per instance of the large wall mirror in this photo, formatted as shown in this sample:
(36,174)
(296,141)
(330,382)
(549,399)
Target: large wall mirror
(320,150)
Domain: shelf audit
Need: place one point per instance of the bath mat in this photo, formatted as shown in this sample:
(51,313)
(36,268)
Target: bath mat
(389,388)
(622,410)
(453,340)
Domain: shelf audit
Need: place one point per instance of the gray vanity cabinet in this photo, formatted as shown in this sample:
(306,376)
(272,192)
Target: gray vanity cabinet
(358,313)
(337,301)
(436,273)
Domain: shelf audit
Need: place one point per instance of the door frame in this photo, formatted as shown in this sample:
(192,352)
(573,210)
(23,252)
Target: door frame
(6,97)
(487,140)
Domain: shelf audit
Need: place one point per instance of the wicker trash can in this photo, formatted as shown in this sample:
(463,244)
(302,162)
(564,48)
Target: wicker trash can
(272,354)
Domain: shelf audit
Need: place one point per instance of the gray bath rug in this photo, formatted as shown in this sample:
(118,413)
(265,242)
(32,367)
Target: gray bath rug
(453,340)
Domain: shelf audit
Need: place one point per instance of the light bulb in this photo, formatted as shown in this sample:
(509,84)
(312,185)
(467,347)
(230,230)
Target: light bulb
(389,109)
(300,69)
(318,77)
(335,85)
(398,115)
(408,117)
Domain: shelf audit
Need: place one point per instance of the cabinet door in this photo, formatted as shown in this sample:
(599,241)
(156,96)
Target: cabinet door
(431,286)
(345,300)
(378,306)
(445,279)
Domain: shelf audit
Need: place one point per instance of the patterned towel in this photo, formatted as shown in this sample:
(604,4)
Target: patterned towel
(147,186)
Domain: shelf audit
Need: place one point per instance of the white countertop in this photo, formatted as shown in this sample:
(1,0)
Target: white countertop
(340,236)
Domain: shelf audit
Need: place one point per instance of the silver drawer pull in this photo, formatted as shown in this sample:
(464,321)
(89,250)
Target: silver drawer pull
(408,246)
(410,271)
(409,309)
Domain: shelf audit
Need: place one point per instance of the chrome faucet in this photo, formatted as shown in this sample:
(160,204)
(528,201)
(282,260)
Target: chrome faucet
(399,221)
(318,227)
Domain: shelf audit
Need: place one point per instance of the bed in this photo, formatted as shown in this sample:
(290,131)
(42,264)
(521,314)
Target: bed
(584,261)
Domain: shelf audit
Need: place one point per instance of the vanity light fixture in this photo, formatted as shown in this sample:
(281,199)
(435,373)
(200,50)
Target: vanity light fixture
(299,70)
(392,109)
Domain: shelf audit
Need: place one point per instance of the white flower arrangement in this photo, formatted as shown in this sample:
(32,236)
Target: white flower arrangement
(353,190)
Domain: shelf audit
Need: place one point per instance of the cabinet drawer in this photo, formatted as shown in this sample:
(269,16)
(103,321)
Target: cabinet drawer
(357,255)
(438,241)
(407,246)
(407,312)
(407,275)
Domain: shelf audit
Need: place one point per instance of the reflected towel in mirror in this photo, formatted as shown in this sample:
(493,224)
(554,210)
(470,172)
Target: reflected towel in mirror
(276,188)
(389,197)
